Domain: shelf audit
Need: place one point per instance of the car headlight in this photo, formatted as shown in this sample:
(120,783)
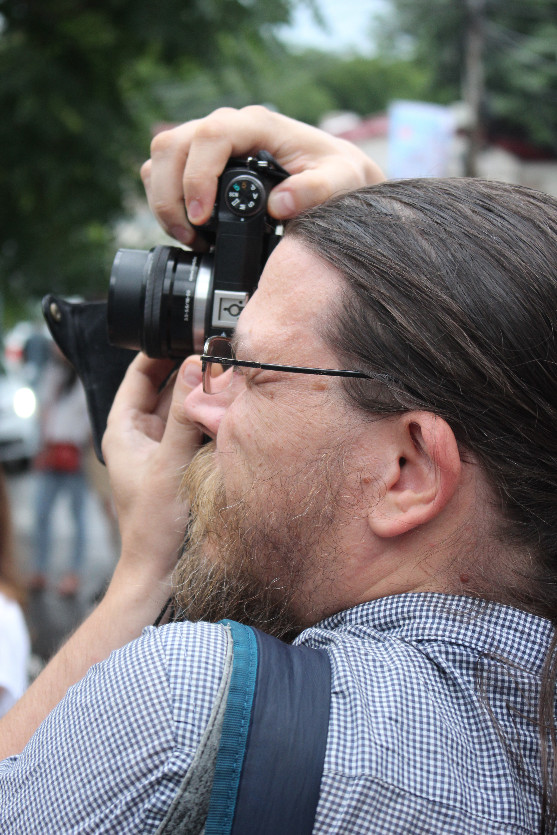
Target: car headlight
(25,402)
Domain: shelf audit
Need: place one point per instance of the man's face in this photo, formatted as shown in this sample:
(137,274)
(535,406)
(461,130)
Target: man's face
(275,498)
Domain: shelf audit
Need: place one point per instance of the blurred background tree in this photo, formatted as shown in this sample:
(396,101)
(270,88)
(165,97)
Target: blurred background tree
(518,40)
(78,95)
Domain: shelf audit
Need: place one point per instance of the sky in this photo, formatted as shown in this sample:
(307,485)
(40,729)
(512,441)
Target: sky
(348,25)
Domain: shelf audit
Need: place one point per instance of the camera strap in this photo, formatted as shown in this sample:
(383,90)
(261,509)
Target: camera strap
(274,737)
(263,161)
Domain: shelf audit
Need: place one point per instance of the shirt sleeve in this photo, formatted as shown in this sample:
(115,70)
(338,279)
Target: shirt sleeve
(112,755)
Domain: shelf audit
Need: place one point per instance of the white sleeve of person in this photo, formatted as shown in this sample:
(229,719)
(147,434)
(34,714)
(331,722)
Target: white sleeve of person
(14,653)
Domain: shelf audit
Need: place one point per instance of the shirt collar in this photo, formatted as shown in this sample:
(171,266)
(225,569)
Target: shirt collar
(484,626)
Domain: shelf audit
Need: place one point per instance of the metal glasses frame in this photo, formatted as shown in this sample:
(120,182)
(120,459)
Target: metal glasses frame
(231,362)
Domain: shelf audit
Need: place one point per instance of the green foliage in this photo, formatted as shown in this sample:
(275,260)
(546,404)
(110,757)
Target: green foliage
(317,83)
(527,105)
(303,85)
(367,85)
(520,58)
(77,105)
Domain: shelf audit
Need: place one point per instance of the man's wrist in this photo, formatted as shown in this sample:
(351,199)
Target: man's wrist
(139,590)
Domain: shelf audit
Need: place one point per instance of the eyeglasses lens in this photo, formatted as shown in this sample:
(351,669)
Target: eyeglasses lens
(218,375)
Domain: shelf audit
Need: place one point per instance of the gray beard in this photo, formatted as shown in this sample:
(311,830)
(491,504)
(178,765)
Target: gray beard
(245,563)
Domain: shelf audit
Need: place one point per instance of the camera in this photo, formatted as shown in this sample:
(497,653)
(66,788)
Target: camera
(167,301)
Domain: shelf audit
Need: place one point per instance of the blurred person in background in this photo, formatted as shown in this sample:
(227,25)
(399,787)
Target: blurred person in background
(60,466)
(36,353)
(14,637)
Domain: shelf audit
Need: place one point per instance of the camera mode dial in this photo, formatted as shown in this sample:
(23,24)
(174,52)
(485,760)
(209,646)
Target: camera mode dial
(245,195)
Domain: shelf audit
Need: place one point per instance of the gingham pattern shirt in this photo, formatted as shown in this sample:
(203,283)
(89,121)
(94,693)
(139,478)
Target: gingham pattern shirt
(430,727)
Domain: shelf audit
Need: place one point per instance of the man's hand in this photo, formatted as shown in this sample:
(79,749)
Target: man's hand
(187,161)
(147,445)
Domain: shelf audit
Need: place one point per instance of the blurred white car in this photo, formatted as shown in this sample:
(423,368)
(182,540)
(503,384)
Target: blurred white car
(19,419)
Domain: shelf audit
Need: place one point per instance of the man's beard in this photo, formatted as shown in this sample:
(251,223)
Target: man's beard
(248,560)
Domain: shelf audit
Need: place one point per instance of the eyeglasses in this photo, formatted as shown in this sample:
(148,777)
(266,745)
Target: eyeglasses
(218,358)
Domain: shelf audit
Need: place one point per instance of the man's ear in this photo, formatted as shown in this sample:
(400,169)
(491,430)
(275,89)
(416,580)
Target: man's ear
(421,477)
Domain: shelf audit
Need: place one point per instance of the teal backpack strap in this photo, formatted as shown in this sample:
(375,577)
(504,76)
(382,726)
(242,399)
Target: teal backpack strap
(235,729)
(274,737)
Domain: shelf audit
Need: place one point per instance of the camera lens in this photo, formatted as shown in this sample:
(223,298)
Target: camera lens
(158,300)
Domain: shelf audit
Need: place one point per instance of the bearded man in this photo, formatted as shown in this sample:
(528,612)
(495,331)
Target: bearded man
(379,490)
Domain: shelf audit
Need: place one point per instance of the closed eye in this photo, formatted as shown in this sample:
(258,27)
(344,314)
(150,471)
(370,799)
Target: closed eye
(253,376)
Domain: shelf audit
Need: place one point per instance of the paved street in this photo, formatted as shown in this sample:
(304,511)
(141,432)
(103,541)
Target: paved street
(50,616)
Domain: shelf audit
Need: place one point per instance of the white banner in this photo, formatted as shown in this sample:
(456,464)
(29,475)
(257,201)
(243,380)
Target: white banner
(420,137)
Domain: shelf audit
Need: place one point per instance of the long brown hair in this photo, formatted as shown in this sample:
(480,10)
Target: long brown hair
(451,290)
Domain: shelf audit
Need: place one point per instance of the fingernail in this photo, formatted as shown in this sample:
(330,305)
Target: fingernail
(281,204)
(191,374)
(195,210)
(182,234)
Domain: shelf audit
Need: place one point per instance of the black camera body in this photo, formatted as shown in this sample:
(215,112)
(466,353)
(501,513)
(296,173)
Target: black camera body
(168,300)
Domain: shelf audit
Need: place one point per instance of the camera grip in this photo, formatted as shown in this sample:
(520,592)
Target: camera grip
(80,331)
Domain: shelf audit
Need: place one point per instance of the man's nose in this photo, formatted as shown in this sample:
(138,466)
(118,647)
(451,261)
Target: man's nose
(207,410)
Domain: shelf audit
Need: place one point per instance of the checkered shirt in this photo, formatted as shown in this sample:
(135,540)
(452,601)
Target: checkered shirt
(430,729)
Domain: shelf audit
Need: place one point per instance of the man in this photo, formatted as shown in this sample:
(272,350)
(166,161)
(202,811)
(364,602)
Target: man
(396,509)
